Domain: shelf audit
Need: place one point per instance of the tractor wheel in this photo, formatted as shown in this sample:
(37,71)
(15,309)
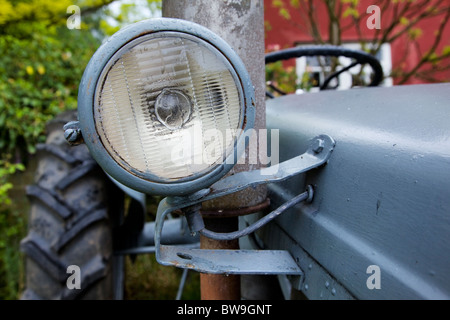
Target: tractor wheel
(69,246)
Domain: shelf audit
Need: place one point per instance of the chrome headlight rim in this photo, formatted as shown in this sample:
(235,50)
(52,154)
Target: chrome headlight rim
(86,103)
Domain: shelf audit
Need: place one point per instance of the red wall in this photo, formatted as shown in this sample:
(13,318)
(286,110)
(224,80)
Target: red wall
(284,34)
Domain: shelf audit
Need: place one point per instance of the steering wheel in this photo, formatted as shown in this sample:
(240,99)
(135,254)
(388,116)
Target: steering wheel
(359,56)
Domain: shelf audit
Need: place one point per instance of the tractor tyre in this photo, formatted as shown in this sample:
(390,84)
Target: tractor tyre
(74,208)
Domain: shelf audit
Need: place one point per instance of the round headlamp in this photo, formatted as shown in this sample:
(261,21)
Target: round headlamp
(163,106)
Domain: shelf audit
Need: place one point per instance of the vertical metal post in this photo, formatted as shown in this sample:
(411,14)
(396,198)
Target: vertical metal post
(241,24)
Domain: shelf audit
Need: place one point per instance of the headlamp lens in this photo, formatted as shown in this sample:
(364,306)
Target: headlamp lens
(168,106)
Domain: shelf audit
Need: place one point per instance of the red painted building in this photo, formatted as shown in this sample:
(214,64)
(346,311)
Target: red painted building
(288,24)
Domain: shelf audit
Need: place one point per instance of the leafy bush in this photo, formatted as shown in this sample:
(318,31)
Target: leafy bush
(39,77)
(41,64)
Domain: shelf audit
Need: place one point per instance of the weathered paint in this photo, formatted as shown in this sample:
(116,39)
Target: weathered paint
(383,199)
(214,261)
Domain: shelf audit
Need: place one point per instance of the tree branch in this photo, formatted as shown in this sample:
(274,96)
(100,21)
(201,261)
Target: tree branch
(312,20)
(429,54)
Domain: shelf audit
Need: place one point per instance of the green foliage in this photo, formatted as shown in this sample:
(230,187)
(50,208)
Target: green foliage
(146,279)
(39,77)
(282,78)
(285,78)
(7,169)
(12,229)
(40,67)
(41,64)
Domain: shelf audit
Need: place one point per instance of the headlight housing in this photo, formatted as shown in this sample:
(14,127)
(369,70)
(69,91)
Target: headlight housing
(164,105)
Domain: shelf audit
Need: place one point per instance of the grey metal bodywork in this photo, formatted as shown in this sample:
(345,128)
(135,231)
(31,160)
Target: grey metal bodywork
(383,198)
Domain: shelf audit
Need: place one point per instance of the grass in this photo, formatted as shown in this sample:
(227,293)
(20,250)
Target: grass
(13,228)
(148,280)
(11,272)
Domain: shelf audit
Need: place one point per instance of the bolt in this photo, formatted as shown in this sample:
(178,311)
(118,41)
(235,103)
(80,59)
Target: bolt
(317,145)
(72,133)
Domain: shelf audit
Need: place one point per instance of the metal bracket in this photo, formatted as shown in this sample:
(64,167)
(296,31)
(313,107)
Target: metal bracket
(239,261)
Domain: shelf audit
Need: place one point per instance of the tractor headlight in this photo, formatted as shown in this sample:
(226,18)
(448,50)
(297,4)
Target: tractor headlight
(163,106)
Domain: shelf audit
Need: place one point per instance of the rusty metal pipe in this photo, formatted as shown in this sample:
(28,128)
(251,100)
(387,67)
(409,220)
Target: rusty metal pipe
(217,286)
